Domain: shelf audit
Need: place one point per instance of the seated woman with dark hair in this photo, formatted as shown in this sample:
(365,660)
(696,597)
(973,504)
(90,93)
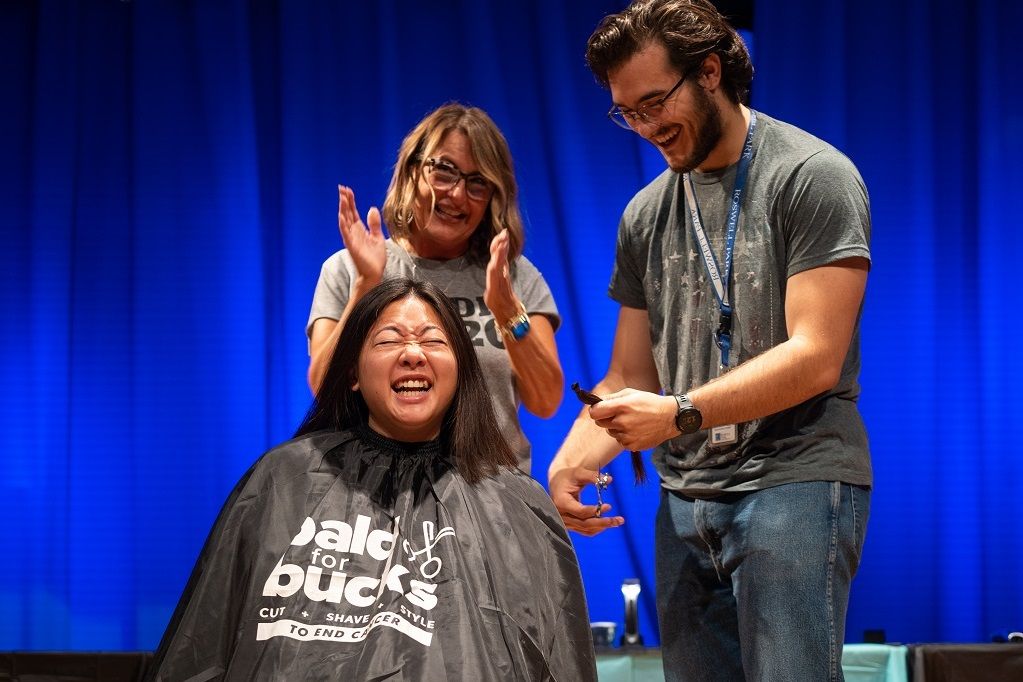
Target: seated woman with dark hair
(393,538)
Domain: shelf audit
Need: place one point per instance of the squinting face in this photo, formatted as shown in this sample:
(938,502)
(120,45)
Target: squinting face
(690,126)
(407,371)
(445,232)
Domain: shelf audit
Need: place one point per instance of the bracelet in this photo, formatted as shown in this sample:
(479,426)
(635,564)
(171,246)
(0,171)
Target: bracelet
(518,326)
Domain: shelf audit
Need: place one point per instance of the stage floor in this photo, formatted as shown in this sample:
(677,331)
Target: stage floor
(860,662)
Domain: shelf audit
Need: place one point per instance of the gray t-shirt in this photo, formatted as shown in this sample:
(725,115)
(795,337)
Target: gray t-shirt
(804,206)
(464,283)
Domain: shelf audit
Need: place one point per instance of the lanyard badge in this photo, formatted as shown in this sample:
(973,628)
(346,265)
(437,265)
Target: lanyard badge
(720,280)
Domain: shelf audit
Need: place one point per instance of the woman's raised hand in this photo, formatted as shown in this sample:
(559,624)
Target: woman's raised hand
(366,245)
(499,295)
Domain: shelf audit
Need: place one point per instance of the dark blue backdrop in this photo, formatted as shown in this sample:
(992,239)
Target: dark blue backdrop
(167,194)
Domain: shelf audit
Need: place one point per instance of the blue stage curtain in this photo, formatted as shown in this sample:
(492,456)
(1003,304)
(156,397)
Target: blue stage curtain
(925,97)
(168,188)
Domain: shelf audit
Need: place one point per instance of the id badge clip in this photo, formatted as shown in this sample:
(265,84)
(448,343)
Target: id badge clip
(726,434)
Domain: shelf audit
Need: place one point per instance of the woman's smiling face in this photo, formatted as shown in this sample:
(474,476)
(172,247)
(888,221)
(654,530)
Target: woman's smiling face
(407,372)
(445,232)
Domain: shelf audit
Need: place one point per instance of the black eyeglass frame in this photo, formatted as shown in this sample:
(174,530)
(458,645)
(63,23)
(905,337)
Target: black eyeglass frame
(449,167)
(621,118)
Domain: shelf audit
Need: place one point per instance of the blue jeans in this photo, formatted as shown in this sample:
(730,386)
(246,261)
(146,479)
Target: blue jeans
(754,586)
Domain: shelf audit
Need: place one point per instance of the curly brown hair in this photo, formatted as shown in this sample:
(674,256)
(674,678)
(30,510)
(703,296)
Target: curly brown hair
(690,30)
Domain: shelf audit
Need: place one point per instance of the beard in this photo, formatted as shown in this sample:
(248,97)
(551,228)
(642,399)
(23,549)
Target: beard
(708,132)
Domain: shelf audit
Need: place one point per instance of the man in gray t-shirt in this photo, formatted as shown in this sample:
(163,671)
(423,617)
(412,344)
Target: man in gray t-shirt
(740,272)
(779,235)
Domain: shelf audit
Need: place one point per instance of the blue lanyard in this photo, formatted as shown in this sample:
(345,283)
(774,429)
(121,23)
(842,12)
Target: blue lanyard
(723,335)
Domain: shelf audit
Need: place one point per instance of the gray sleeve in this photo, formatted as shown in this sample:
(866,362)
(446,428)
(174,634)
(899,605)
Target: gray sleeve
(332,290)
(626,285)
(826,213)
(533,291)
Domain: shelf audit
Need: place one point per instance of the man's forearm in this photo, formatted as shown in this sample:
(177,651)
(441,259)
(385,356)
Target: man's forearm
(821,310)
(587,445)
(782,377)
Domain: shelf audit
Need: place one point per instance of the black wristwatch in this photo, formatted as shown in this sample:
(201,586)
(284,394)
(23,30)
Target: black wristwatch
(688,418)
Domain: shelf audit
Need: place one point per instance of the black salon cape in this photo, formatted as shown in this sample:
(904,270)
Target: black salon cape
(347,556)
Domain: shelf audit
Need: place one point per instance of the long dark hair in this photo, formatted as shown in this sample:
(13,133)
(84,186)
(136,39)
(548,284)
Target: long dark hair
(469,432)
(689,30)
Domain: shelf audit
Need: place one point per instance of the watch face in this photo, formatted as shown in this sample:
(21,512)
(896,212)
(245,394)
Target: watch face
(688,420)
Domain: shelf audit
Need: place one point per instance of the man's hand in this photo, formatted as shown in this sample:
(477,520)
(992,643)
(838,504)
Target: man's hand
(565,486)
(638,420)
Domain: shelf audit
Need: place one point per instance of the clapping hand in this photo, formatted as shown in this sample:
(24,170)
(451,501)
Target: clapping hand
(499,295)
(366,245)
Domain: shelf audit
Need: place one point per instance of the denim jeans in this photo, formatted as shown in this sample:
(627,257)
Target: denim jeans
(755,586)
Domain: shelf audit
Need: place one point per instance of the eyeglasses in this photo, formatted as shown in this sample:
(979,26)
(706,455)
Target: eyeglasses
(445,176)
(648,113)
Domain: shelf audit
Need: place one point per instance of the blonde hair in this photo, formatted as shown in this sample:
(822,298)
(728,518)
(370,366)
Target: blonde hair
(493,159)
